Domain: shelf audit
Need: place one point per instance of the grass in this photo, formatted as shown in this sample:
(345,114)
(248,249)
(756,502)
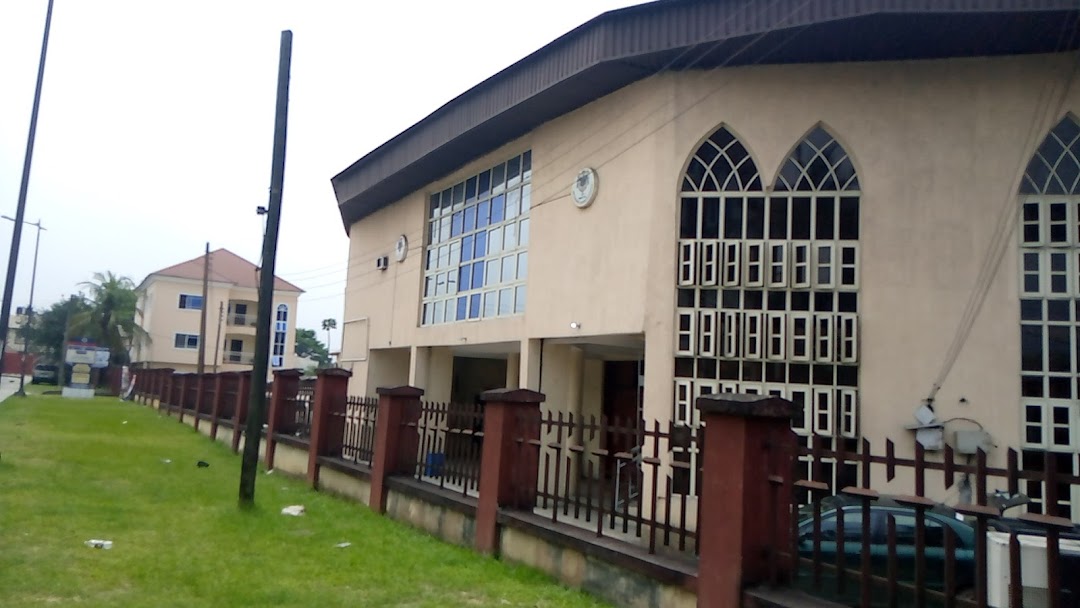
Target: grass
(72,471)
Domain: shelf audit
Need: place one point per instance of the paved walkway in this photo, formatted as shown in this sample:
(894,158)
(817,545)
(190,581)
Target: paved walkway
(8,386)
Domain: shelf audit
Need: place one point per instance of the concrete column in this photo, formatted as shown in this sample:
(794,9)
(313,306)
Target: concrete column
(327,418)
(395,444)
(508,472)
(419,365)
(513,370)
(530,364)
(744,517)
(280,417)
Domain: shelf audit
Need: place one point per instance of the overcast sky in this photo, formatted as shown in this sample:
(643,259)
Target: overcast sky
(156,124)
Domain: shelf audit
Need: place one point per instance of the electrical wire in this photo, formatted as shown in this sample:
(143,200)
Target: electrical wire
(1006,219)
(585,139)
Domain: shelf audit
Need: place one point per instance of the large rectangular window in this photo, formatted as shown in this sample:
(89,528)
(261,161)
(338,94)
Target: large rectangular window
(477,245)
(186,341)
(190,302)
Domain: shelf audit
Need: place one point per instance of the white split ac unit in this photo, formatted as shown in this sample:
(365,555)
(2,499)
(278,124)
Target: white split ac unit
(1032,568)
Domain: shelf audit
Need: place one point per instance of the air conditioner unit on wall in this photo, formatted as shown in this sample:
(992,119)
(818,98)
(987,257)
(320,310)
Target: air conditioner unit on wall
(1032,568)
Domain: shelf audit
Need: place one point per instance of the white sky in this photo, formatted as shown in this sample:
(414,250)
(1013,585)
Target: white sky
(156,123)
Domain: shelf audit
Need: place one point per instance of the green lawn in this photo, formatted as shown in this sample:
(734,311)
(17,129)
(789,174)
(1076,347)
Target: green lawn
(71,471)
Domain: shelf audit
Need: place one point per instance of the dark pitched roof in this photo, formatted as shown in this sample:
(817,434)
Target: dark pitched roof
(225,267)
(626,45)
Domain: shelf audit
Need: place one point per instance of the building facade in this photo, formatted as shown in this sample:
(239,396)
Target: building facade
(170,309)
(781,205)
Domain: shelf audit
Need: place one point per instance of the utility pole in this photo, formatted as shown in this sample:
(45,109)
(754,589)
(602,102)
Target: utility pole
(257,397)
(217,341)
(20,209)
(29,313)
(202,312)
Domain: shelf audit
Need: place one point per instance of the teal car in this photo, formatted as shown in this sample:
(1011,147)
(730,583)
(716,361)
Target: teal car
(936,524)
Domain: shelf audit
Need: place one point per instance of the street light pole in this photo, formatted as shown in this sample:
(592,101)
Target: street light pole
(29,307)
(20,208)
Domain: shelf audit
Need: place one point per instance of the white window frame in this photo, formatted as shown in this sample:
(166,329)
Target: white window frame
(848,412)
(685,313)
(830,266)
(687,262)
(186,341)
(749,265)
(824,396)
(732,263)
(778,263)
(707,333)
(181,299)
(824,331)
(753,335)
(807,337)
(854,267)
(731,328)
(806,266)
(776,336)
(709,262)
(848,337)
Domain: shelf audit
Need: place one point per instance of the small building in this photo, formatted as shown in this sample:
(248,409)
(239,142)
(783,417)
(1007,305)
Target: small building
(859,206)
(170,305)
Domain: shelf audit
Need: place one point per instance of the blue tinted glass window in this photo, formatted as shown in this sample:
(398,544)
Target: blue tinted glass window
(455,227)
(484,186)
(497,208)
(482,214)
(474,306)
(462,304)
(478,275)
(465,277)
(481,244)
(470,219)
(467,248)
(470,189)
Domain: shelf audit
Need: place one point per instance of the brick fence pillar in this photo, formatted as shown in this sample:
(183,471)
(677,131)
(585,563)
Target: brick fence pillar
(243,387)
(281,415)
(395,444)
(746,438)
(221,383)
(507,475)
(327,418)
(182,402)
(200,396)
(166,399)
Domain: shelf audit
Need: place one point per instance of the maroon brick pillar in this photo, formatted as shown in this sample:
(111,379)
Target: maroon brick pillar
(395,444)
(220,384)
(507,475)
(243,387)
(165,400)
(200,396)
(185,379)
(281,415)
(327,418)
(747,438)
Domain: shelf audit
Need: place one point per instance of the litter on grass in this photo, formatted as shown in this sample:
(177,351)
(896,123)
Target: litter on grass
(343,545)
(202,464)
(166,460)
(96,543)
(294,510)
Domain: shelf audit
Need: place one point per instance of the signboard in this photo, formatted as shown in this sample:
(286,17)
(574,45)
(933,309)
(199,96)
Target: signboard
(80,354)
(101,358)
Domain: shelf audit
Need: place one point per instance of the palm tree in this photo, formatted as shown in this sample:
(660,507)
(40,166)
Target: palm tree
(111,319)
(328,324)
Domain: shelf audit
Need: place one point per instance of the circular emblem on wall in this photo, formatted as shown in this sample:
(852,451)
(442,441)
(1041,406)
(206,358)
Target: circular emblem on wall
(584,188)
(401,248)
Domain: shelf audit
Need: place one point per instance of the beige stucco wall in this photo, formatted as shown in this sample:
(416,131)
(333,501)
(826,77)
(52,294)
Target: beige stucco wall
(162,318)
(938,146)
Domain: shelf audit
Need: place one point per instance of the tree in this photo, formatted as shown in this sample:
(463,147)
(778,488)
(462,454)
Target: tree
(327,325)
(308,346)
(111,318)
(47,333)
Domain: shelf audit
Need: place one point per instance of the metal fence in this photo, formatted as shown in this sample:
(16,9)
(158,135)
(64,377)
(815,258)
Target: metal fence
(617,477)
(358,443)
(450,437)
(298,413)
(863,548)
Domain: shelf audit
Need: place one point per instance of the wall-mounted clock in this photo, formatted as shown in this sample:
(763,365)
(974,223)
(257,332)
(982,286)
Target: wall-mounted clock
(584,188)
(401,248)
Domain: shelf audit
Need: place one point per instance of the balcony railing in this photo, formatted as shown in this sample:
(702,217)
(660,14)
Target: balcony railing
(243,320)
(239,358)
